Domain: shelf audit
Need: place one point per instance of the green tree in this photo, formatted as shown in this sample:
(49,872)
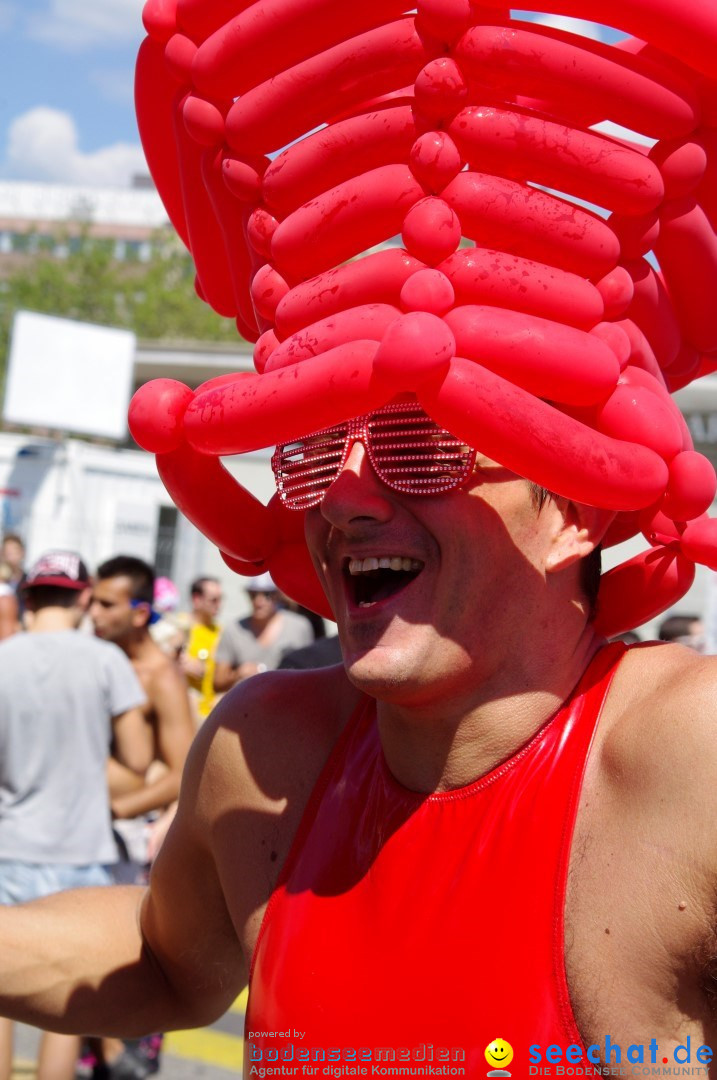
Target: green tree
(154,298)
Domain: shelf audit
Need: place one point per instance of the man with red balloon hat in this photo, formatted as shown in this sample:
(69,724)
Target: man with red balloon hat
(487,819)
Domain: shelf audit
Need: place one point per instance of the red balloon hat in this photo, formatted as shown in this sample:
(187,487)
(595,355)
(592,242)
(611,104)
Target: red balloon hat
(291,138)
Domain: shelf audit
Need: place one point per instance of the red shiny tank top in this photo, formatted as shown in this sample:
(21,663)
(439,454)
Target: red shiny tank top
(423,927)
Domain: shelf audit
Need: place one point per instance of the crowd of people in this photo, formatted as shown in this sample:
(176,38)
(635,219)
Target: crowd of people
(103,684)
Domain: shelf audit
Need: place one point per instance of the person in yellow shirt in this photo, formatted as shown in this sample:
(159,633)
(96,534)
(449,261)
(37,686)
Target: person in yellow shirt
(197,659)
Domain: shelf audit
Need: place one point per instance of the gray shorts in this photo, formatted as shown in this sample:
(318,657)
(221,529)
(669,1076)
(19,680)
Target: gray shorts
(21,881)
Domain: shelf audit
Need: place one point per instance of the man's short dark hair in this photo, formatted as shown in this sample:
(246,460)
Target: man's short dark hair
(197,587)
(14,538)
(590,566)
(140,574)
(38,597)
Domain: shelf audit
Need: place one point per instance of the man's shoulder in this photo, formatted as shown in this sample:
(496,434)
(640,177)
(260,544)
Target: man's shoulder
(199,633)
(660,676)
(107,655)
(236,627)
(157,670)
(90,643)
(271,734)
(661,720)
(295,618)
(288,703)
(14,641)
(70,641)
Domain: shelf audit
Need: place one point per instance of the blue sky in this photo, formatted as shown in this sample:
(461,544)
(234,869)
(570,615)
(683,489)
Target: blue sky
(66,90)
(66,109)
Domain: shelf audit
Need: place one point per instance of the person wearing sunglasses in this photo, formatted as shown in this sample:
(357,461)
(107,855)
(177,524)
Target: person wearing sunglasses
(258,641)
(468,772)
(488,827)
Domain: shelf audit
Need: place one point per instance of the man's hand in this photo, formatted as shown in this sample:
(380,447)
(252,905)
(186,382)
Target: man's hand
(226,676)
(192,666)
(159,830)
(174,732)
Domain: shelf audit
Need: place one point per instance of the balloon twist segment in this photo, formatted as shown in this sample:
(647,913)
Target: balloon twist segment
(555,199)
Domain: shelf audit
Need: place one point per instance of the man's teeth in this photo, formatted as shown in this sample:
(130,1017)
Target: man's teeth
(394,562)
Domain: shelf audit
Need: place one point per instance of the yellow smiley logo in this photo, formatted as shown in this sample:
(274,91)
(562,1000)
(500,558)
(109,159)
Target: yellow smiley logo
(499,1053)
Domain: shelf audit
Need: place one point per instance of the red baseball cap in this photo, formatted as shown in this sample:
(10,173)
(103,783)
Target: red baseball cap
(64,569)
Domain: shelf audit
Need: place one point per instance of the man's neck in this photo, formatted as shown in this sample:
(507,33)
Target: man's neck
(51,619)
(451,742)
(139,645)
(258,626)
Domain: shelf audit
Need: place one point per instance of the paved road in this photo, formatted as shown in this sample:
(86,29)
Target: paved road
(213,1053)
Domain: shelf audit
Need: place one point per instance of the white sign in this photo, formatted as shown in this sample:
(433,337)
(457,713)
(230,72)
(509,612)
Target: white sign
(69,376)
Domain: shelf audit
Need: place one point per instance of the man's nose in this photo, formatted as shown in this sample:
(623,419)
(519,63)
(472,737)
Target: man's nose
(357,492)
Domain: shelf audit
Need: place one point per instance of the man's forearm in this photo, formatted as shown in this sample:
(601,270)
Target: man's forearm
(122,780)
(154,796)
(224,682)
(76,962)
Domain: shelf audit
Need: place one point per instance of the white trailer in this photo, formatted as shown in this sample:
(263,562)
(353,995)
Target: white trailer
(102,501)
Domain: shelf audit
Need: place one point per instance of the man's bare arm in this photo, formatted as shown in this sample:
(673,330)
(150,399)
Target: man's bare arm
(121,780)
(174,733)
(126,961)
(132,741)
(226,676)
(9,619)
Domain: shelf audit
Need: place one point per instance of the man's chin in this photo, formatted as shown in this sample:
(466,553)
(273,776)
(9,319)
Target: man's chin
(381,672)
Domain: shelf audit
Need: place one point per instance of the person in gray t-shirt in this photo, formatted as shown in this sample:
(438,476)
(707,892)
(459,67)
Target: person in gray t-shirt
(260,641)
(65,699)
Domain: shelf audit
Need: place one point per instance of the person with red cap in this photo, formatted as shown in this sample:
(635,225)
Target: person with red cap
(66,701)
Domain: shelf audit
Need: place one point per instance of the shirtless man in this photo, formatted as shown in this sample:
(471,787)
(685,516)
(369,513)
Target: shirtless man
(142,808)
(121,610)
(590,945)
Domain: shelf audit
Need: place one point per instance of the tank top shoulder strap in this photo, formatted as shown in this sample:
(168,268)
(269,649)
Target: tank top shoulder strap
(358,724)
(582,716)
(581,712)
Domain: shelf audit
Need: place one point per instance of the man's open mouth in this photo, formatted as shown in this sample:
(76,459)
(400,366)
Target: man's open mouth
(376,578)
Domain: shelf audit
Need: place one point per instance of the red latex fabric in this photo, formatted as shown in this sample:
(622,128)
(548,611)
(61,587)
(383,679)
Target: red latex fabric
(404,920)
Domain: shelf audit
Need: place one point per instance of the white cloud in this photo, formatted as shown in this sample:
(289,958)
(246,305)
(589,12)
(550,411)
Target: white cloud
(43,144)
(77,24)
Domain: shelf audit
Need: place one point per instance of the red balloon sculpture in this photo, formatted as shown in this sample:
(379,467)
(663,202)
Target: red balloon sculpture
(556,281)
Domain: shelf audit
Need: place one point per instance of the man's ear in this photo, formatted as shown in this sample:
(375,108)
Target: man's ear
(84,598)
(141,614)
(581,531)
